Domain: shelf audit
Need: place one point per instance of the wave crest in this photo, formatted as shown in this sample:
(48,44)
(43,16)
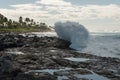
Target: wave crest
(74,32)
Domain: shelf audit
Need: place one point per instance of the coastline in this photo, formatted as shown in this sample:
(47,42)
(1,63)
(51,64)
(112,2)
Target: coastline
(40,53)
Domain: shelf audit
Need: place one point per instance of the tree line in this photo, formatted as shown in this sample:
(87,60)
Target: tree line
(22,22)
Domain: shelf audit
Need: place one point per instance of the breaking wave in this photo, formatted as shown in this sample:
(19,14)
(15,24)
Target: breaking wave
(74,32)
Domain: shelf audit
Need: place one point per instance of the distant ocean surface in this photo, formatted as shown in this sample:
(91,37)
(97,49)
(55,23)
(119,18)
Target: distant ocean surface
(103,44)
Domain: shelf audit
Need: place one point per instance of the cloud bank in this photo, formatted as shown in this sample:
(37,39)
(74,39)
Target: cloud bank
(60,10)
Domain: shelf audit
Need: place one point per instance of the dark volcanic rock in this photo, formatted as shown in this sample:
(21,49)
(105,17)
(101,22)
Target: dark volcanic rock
(35,76)
(12,40)
(48,54)
(6,64)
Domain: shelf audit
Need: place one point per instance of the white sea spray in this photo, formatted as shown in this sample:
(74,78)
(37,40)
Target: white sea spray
(74,32)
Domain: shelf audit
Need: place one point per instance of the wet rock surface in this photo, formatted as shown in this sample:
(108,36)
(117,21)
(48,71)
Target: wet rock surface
(44,58)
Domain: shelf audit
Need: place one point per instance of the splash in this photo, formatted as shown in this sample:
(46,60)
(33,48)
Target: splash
(74,32)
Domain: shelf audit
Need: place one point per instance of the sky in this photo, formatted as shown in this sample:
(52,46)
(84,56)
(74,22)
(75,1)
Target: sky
(95,15)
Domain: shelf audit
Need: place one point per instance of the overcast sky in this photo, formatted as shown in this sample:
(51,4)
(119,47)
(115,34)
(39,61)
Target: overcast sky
(95,15)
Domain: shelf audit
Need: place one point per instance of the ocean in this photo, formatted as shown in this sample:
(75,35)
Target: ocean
(103,44)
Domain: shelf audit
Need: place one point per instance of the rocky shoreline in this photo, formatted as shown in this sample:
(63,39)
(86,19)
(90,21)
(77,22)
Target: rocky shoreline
(50,58)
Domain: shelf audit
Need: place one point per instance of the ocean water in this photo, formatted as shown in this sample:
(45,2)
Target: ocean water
(103,44)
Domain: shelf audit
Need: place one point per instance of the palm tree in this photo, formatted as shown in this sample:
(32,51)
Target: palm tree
(1,17)
(27,20)
(5,20)
(32,22)
(21,20)
(9,23)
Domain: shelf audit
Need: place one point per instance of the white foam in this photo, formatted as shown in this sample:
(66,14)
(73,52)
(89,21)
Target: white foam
(40,34)
(15,52)
(73,32)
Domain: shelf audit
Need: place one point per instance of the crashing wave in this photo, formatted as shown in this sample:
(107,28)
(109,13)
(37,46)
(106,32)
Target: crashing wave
(74,32)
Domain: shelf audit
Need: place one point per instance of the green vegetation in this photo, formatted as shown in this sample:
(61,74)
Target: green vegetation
(22,25)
